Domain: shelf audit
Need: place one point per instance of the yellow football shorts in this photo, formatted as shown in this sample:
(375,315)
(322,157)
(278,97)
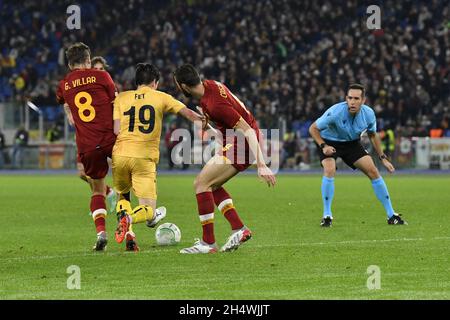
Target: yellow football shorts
(136,174)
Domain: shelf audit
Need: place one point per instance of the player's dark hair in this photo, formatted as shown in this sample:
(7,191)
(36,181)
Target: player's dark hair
(99,59)
(146,73)
(188,75)
(78,53)
(357,86)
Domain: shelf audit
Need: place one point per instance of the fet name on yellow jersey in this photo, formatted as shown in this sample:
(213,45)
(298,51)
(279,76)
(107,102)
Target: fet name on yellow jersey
(141,113)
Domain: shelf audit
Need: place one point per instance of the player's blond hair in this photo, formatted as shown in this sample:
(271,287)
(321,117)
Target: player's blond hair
(99,59)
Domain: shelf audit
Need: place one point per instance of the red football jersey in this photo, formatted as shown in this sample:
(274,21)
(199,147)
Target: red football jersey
(224,108)
(90,94)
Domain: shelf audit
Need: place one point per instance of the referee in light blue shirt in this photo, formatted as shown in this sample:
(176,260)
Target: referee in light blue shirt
(337,134)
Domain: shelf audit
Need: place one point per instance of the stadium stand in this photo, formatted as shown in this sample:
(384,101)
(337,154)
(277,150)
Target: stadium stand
(288,60)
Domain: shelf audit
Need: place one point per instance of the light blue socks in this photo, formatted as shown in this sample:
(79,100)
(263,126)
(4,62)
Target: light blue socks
(327,195)
(382,194)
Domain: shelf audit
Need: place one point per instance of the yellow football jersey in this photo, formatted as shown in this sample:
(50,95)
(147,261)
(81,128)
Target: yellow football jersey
(141,113)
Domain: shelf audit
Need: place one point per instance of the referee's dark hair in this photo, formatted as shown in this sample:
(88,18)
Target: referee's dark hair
(357,86)
(188,75)
(146,73)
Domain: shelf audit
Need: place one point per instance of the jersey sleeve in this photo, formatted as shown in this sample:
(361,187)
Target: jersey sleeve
(327,118)
(171,104)
(59,93)
(110,86)
(222,108)
(228,116)
(372,127)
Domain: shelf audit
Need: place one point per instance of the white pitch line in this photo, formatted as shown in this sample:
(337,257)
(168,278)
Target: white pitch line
(346,242)
(304,244)
(80,255)
(441,238)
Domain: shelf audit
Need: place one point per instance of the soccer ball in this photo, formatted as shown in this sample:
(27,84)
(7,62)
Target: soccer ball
(167,234)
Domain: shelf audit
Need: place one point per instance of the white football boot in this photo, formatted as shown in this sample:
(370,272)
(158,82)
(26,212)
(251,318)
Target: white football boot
(102,241)
(237,238)
(111,198)
(160,213)
(200,247)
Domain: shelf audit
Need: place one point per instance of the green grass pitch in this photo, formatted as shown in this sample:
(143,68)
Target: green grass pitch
(46,229)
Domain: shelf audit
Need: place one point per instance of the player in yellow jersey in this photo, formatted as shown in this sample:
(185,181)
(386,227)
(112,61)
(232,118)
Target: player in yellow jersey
(138,118)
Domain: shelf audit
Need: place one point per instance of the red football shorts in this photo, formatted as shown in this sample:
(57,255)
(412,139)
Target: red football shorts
(239,157)
(95,162)
(239,152)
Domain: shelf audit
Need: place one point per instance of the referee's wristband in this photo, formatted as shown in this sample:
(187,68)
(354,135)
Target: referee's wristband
(383,156)
(322,145)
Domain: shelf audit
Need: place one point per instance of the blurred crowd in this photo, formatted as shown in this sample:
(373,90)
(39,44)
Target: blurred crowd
(288,60)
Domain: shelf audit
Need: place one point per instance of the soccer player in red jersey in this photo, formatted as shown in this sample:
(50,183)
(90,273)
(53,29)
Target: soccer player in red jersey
(98,63)
(227,112)
(89,94)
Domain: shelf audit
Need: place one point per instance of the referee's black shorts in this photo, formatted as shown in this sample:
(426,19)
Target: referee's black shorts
(348,151)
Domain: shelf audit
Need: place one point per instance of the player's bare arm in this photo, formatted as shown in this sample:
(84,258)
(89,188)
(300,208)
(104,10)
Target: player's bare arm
(191,115)
(263,171)
(376,143)
(117,127)
(69,114)
(315,134)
